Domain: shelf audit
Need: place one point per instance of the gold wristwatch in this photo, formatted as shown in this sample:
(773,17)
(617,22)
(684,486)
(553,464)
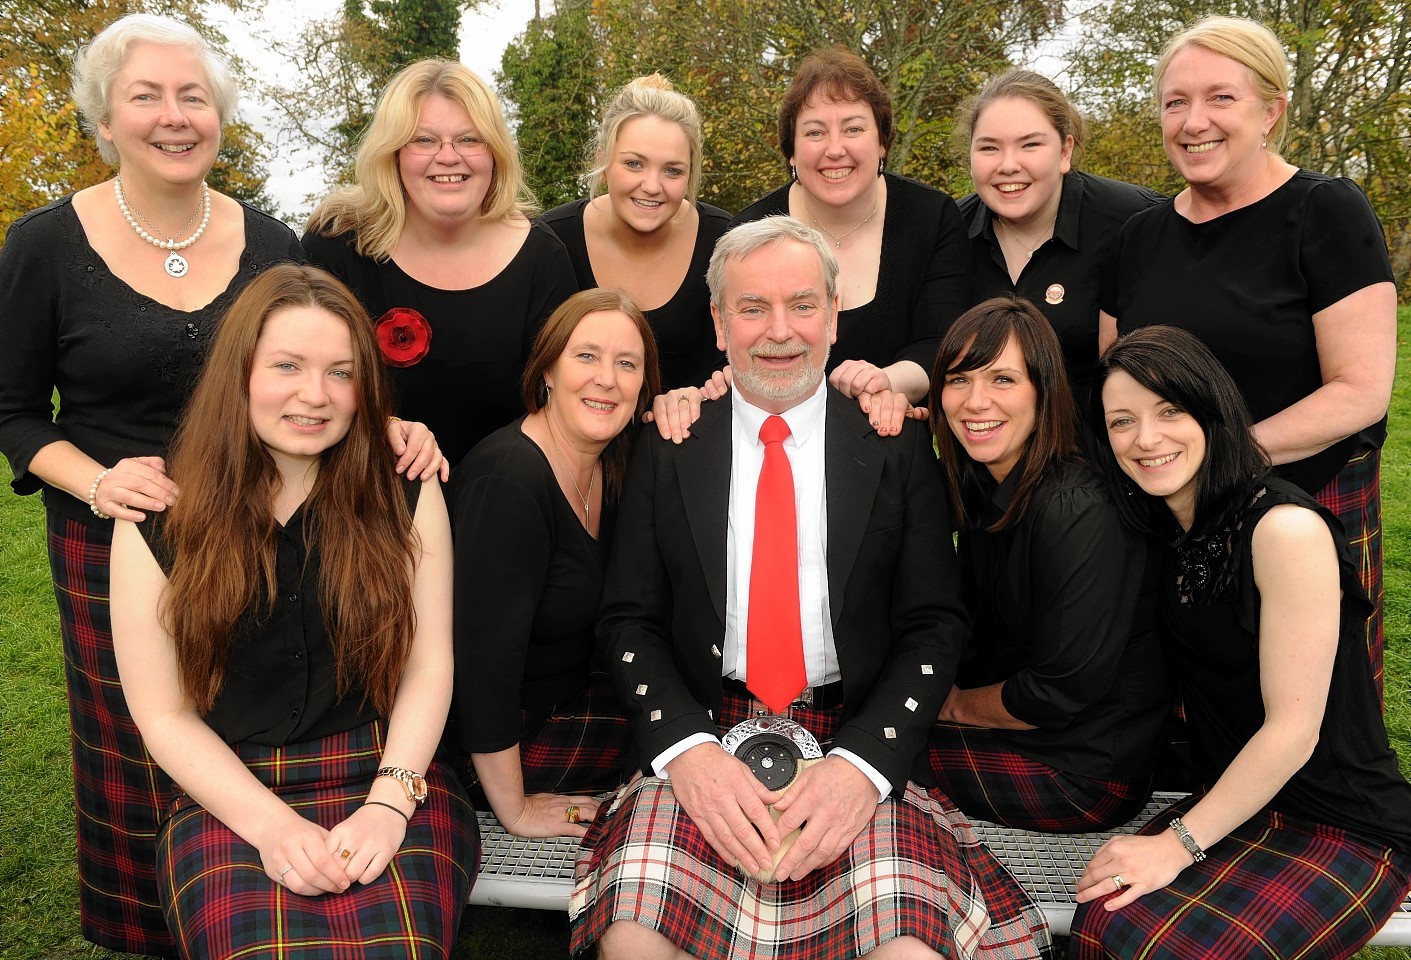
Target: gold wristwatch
(412,782)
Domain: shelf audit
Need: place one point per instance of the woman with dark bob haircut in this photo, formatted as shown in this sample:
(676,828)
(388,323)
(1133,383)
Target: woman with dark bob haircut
(1054,719)
(288,663)
(903,256)
(536,723)
(1297,841)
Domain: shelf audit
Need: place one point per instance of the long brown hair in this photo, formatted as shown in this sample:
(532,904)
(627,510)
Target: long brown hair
(221,532)
(972,343)
(552,341)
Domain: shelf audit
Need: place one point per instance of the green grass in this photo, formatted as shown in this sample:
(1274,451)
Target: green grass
(38,879)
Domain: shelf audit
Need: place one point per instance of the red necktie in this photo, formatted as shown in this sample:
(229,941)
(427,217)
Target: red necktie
(774,638)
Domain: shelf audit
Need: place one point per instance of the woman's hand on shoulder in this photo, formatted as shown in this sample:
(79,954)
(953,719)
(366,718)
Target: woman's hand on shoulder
(888,410)
(674,411)
(1139,864)
(365,843)
(418,455)
(135,484)
(553,815)
(853,378)
(296,856)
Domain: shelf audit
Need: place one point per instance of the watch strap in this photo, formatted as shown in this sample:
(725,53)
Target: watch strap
(1187,840)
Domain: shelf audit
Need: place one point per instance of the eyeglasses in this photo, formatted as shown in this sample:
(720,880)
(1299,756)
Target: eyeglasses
(467,145)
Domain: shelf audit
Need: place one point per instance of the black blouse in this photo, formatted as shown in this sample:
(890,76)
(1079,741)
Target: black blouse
(923,278)
(123,363)
(1064,606)
(281,677)
(1064,275)
(1211,629)
(528,578)
(684,330)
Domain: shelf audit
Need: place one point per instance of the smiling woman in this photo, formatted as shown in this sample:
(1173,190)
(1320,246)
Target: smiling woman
(438,226)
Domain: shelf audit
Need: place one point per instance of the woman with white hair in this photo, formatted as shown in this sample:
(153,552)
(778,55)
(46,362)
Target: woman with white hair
(436,241)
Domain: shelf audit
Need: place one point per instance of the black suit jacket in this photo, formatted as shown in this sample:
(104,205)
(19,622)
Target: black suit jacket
(893,586)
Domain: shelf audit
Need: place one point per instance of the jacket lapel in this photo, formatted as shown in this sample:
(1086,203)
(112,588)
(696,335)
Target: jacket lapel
(703,471)
(852,469)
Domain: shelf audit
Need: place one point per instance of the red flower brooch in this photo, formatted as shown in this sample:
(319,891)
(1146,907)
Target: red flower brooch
(404,336)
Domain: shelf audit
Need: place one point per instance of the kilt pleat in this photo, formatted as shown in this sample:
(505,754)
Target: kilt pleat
(1354,496)
(220,903)
(582,747)
(1276,887)
(119,791)
(990,780)
(918,870)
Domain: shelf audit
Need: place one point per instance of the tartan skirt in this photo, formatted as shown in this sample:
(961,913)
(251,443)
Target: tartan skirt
(1276,886)
(119,791)
(918,870)
(220,903)
(990,780)
(582,747)
(1355,497)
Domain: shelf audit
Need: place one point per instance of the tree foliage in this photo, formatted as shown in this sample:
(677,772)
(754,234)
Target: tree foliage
(1349,106)
(735,58)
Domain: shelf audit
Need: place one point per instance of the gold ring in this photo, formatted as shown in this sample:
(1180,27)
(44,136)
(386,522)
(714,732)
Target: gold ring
(682,398)
(570,813)
(1118,881)
(345,854)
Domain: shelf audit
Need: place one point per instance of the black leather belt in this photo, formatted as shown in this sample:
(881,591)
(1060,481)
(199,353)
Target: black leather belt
(826,697)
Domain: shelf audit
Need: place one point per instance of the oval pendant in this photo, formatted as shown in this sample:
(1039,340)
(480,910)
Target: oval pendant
(176,266)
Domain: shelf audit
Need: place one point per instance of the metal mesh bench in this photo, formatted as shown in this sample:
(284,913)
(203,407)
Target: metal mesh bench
(538,874)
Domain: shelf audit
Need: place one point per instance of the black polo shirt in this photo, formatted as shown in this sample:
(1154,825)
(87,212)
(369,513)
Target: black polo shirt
(1064,276)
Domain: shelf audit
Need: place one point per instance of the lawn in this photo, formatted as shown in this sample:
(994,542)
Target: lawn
(38,882)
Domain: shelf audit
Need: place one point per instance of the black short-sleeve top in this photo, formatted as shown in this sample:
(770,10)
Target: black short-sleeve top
(923,278)
(467,384)
(1064,606)
(1248,283)
(684,330)
(123,363)
(1063,276)
(528,578)
(1352,779)
(281,676)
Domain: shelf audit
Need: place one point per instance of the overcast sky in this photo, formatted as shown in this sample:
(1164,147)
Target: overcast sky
(295,171)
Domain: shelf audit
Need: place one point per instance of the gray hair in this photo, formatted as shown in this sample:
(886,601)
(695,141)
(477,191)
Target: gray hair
(97,63)
(745,239)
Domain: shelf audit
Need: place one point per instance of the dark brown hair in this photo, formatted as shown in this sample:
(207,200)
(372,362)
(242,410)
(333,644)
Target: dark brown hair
(972,343)
(834,74)
(221,532)
(553,340)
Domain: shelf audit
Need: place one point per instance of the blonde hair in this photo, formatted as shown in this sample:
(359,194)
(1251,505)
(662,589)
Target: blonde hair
(649,96)
(374,208)
(1250,44)
(98,62)
(1022,85)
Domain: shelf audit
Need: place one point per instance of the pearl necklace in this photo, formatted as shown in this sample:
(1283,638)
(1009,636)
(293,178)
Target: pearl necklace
(592,476)
(175,265)
(837,240)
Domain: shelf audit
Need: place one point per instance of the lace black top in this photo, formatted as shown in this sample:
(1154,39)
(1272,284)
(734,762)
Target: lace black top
(123,363)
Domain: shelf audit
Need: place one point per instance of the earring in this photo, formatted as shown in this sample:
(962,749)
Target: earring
(794,173)
(881,166)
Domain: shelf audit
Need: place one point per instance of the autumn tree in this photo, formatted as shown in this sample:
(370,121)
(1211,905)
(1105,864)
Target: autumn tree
(1349,104)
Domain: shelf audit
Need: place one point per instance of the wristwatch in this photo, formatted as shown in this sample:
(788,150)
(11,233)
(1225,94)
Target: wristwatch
(1187,840)
(412,782)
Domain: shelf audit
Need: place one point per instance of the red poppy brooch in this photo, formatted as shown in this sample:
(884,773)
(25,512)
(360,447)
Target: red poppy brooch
(404,336)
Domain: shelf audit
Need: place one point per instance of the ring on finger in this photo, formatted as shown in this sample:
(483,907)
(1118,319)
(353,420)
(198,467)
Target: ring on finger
(284,871)
(570,813)
(345,854)
(1117,881)
(682,398)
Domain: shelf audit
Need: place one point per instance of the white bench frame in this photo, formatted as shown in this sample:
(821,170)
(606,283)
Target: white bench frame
(538,874)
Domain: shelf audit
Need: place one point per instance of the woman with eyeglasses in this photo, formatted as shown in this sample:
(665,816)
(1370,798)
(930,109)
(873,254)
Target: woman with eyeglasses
(436,240)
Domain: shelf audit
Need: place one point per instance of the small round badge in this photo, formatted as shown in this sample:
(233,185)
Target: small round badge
(1054,293)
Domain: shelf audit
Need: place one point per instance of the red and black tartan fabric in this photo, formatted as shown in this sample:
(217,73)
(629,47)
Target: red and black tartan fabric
(1355,498)
(582,748)
(1277,886)
(989,780)
(917,871)
(220,903)
(119,792)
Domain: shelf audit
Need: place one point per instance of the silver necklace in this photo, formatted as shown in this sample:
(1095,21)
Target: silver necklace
(1014,235)
(837,240)
(593,475)
(175,264)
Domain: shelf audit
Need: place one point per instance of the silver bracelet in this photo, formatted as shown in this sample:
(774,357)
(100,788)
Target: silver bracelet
(93,497)
(1187,840)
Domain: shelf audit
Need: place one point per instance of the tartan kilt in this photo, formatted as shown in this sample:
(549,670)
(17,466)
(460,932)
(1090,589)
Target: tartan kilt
(220,903)
(582,747)
(989,780)
(1276,886)
(1355,497)
(918,870)
(119,791)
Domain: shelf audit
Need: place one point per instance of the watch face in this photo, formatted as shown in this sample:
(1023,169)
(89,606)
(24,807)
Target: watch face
(417,787)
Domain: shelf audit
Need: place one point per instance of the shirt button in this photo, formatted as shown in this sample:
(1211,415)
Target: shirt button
(298,654)
(295,712)
(293,597)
